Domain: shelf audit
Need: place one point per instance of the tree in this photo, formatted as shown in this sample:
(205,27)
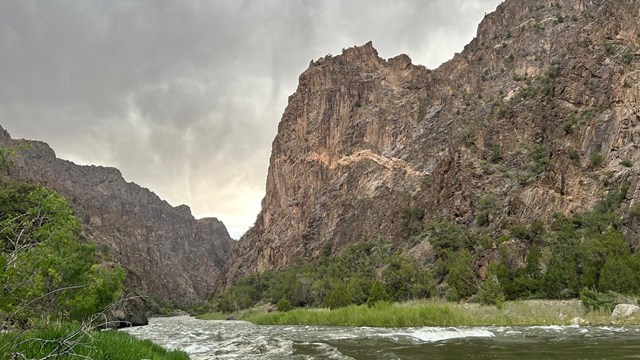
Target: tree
(490,292)
(45,268)
(462,277)
(405,279)
(618,276)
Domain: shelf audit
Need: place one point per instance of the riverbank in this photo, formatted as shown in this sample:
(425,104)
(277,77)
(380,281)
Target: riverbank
(68,341)
(436,313)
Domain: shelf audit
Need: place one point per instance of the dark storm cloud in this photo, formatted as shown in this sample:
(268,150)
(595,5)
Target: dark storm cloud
(184,96)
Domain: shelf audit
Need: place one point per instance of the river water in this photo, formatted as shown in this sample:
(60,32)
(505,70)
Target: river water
(241,340)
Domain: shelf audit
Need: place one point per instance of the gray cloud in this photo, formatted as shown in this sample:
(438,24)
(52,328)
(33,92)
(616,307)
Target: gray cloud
(185,96)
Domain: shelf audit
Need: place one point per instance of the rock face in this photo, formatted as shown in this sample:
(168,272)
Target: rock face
(541,112)
(166,251)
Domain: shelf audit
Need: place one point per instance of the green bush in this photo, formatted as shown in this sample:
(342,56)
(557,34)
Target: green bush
(541,160)
(595,300)
(596,159)
(284,305)
(634,211)
(461,278)
(486,206)
(490,292)
(46,270)
(377,293)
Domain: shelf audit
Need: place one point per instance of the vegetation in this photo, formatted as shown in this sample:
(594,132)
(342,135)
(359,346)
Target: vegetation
(435,313)
(584,256)
(53,283)
(67,341)
(46,271)
(596,159)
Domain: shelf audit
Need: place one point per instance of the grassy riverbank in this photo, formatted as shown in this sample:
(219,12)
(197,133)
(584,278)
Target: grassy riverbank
(435,313)
(65,341)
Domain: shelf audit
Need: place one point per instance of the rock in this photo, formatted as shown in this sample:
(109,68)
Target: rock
(363,139)
(129,312)
(578,321)
(623,311)
(167,252)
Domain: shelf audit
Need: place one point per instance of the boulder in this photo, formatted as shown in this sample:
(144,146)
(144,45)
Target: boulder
(623,311)
(131,311)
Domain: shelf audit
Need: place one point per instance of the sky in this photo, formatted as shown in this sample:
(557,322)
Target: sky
(185,96)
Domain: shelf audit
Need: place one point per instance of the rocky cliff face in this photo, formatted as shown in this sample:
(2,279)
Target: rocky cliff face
(166,251)
(540,112)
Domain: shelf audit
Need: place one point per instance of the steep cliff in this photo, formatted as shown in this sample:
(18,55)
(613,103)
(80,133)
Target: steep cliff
(539,114)
(166,251)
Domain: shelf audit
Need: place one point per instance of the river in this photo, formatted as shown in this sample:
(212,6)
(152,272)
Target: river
(241,340)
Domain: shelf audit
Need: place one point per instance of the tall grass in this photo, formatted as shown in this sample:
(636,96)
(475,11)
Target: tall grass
(433,313)
(65,341)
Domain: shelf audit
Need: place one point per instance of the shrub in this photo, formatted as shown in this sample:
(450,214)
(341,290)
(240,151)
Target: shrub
(467,135)
(45,270)
(487,206)
(626,163)
(490,292)
(635,211)
(595,300)
(616,275)
(412,221)
(377,293)
(284,305)
(462,277)
(610,48)
(596,159)
(541,160)
(574,156)
(496,153)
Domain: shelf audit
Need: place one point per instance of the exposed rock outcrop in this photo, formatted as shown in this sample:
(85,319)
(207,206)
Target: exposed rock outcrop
(132,311)
(623,311)
(165,250)
(541,110)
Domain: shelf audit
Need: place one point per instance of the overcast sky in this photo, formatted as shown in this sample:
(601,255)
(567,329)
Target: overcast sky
(184,96)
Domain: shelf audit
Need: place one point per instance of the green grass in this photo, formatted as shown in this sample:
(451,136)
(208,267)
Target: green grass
(438,313)
(60,338)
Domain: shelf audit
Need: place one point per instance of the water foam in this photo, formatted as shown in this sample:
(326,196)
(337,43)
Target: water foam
(430,334)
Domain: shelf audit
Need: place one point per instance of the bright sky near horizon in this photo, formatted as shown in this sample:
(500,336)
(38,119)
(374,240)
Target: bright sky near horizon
(184,97)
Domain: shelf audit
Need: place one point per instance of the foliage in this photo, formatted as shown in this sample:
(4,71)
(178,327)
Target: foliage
(553,260)
(411,221)
(634,211)
(461,276)
(467,135)
(334,282)
(594,300)
(490,292)
(574,156)
(284,305)
(434,313)
(46,270)
(596,159)
(405,279)
(66,341)
(541,160)
(486,206)
(377,293)
(626,163)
